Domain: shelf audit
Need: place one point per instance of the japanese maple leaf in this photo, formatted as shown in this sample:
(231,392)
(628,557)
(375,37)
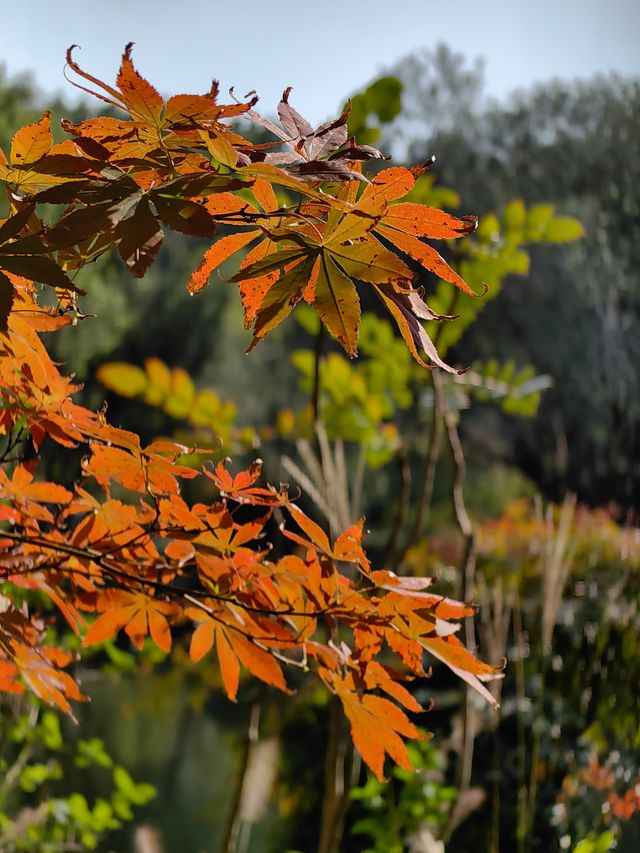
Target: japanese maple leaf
(377,725)
(138,613)
(9,672)
(252,291)
(347,547)
(233,647)
(36,164)
(178,121)
(23,489)
(321,261)
(460,660)
(154,469)
(40,667)
(241,487)
(323,154)
(25,255)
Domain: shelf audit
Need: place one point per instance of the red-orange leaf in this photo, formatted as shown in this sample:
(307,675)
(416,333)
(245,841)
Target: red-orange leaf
(423,221)
(139,96)
(202,640)
(376,726)
(242,487)
(390,184)
(219,252)
(32,141)
(427,256)
(264,195)
(451,651)
(138,614)
(229,664)
(259,663)
(40,669)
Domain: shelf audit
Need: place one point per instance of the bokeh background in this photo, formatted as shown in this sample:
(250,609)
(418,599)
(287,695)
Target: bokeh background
(533,113)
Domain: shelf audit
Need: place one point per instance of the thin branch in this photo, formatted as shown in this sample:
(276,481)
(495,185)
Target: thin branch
(402,504)
(427,478)
(13,772)
(317,360)
(338,778)
(519,641)
(116,573)
(358,482)
(234,819)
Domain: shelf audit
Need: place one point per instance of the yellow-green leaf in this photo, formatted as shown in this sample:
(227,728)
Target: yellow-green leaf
(125,379)
(337,303)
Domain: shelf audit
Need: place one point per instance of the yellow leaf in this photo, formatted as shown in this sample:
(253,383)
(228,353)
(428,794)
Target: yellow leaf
(125,379)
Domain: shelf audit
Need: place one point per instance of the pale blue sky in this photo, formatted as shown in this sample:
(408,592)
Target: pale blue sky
(326,49)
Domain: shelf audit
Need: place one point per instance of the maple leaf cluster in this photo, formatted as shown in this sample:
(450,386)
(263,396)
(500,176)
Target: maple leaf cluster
(309,225)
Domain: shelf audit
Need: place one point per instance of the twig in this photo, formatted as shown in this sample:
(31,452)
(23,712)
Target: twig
(13,772)
(521,828)
(339,771)
(402,504)
(317,359)
(434,441)
(358,482)
(234,819)
(468,567)
(557,557)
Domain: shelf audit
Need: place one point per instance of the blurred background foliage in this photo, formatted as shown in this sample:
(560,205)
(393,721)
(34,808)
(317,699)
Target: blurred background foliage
(547,415)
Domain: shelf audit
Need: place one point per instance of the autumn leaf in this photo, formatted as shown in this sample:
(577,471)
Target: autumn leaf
(32,141)
(153,469)
(452,652)
(139,614)
(41,670)
(319,155)
(377,725)
(22,487)
(241,487)
(219,252)
(138,95)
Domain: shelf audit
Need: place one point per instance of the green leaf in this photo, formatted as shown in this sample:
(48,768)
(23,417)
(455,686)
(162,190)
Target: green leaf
(595,843)
(92,751)
(514,215)
(384,98)
(34,775)
(79,808)
(516,261)
(538,217)
(138,794)
(50,730)
(308,319)
(488,228)
(564,230)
